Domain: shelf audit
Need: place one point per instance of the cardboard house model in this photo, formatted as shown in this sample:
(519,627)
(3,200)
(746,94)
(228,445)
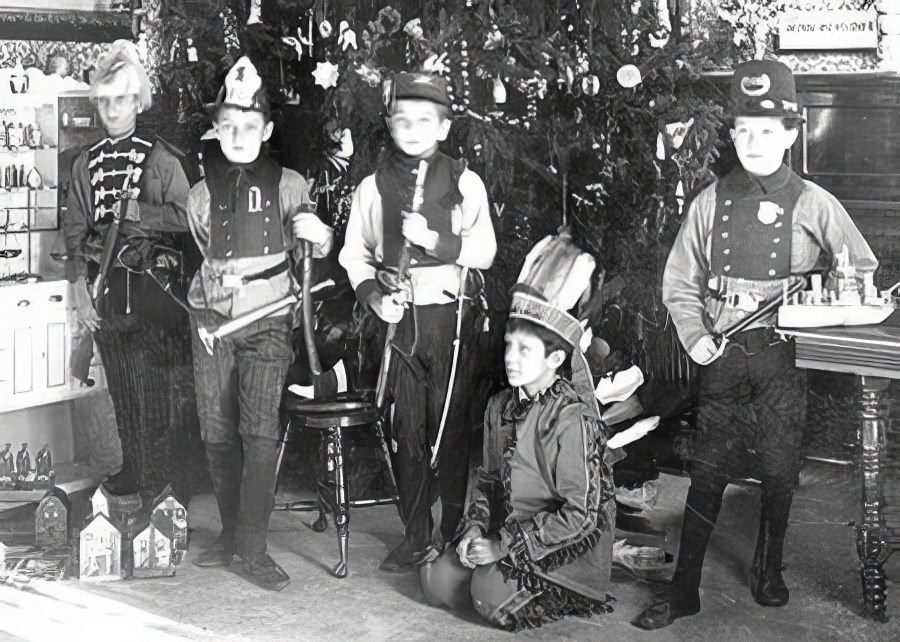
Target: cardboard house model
(100,551)
(51,520)
(121,510)
(167,513)
(153,550)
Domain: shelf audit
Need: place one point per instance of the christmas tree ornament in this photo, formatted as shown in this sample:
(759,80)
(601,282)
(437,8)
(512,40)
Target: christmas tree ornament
(660,147)
(230,33)
(628,76)
(173,49)
(325,29)
(590,85)
(499,91)
(436,64)
(346,36)
(413,29)
(677,131)
(326,74)
(494,39)
(255,13)
(372,77)
(340,157)
(191,51)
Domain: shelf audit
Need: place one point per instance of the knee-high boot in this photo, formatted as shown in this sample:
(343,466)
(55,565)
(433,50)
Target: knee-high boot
(766,581)
(225,465)
(700,513)
(257,495)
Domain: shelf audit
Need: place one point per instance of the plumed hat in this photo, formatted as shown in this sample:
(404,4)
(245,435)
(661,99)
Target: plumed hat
(555,277)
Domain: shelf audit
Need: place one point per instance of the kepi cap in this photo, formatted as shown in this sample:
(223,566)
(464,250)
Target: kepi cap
(764,88)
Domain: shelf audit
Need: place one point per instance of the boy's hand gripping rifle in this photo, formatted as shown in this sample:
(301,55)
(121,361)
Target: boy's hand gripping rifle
(402,278)
(98,287)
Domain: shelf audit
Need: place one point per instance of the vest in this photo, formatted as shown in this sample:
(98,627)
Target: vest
(244,208)
(751,234)
(441,195)
(751,243)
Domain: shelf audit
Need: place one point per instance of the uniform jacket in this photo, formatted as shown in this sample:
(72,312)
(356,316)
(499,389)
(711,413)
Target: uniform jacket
(820,228)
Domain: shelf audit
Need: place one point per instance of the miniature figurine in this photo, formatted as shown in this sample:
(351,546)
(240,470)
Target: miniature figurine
(7,468)
(44,474)
(23,465)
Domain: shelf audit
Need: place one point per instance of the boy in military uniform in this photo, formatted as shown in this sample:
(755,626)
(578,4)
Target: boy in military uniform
(451,235)
(248,217)
(744,238)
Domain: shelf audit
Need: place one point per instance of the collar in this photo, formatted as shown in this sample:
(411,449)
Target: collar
(118,139)
(523,395)
(743,183)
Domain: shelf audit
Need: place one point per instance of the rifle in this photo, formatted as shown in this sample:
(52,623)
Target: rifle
(402,276)
(109,243)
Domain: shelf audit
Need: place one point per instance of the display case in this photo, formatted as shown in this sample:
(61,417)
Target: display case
(40,135)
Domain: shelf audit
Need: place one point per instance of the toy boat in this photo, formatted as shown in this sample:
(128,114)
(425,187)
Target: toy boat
(848,304)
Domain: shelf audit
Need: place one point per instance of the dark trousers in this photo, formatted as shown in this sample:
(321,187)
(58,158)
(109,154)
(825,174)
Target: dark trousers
(150,378)
(238,395)
(419,388)
(751,410)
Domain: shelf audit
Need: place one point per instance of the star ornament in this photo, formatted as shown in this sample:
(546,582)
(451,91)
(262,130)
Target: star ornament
(326,74)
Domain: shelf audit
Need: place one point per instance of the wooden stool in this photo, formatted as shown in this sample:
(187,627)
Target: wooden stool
(331,417)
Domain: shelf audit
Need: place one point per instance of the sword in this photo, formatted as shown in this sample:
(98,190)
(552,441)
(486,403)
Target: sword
(109,243)
(453,366)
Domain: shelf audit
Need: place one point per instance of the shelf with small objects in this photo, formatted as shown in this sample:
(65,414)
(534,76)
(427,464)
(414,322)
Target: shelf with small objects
(28,178)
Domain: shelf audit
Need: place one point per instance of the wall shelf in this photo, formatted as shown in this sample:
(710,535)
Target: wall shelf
(78,26)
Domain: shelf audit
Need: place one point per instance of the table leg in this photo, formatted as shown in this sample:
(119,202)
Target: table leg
(870,544)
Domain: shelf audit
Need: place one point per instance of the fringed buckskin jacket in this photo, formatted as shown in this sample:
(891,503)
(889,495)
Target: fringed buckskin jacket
(546,488)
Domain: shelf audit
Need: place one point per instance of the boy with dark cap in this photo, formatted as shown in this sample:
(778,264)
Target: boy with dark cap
(744,238)
(449,235)
(248,216)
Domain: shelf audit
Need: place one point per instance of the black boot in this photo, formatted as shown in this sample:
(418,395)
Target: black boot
(766,581)
(683,597)
(225,469)
(257,500)
(220,553)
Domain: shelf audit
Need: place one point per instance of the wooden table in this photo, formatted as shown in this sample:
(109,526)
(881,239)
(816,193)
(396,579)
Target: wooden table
(872,353)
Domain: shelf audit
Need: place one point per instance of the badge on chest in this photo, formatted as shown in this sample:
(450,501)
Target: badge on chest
(769,212)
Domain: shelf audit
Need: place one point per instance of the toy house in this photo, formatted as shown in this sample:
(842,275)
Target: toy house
(153,551)
(168,510)
(100,551)
(51,520)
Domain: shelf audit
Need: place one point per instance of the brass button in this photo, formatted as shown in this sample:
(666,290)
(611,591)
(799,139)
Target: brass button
(725,218)
(727,250)
(771,272)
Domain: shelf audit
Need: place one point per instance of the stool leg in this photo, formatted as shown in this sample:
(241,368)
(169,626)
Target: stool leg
(323,485)
(341,503)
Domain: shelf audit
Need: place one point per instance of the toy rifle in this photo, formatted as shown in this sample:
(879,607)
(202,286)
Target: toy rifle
(98,287)
(402,276)
(764,310)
